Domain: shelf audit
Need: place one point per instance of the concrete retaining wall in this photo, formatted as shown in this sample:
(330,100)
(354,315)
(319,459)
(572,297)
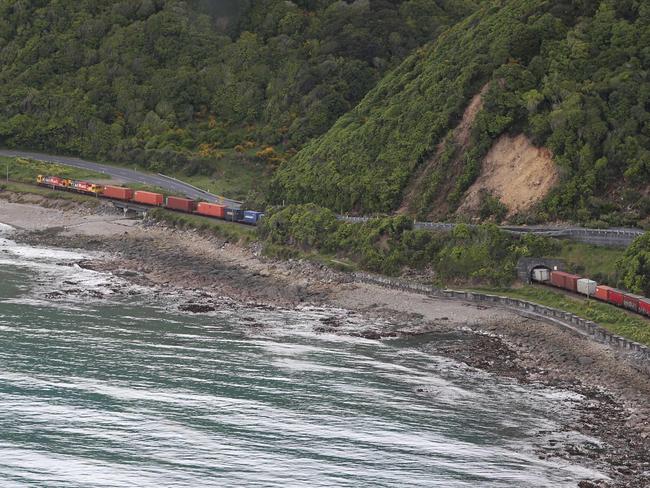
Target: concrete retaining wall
(638,352)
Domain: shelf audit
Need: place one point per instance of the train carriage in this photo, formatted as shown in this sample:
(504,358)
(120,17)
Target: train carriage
(644,306)
(211,210)
(181,204)
(118,193)
(85,187)
(148,198)
(564,280)
(631,302)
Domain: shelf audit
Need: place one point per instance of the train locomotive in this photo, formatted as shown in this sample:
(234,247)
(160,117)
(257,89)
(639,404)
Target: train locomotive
(590,288)
(152,199)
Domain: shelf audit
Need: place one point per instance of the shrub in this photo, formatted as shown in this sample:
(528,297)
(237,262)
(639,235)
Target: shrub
(635,266)
(390,245)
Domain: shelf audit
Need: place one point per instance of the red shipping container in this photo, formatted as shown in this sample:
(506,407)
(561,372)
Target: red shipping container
(615,297)
(182,204)
(148,198)
(118,192)
(211,209)
(571,282)
(602,292)
(631,301)
(557,279)
(644,306)
(564,280)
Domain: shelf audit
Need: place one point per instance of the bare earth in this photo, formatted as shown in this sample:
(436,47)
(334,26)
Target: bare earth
(197,270)
(516,172)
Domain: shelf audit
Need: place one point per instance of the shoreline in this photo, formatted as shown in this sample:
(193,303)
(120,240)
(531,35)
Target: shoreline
(494,339)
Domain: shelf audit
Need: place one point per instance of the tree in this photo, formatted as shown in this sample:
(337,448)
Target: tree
(634,266)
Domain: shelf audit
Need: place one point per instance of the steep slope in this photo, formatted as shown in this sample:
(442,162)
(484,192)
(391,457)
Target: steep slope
(571,75)
(443,168)
(170,83)
(516,173)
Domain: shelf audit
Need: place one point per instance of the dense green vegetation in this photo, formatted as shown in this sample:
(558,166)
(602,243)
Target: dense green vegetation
(616,320)
(390,245)
(572,74)
(596,262)
(634,266)
(187,86)
(349,99)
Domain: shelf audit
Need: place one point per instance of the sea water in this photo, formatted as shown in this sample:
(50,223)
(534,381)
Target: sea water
(107,389)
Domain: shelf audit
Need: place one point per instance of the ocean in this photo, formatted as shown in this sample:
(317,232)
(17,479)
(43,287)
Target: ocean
(104,384)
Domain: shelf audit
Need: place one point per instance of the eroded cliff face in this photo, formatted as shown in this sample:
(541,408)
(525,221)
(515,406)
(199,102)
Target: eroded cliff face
(516,172)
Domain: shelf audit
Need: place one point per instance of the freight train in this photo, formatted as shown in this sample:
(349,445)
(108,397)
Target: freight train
(587,287)
(152,199)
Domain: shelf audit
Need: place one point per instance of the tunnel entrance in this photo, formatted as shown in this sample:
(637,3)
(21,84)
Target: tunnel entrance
(540,274)
(527,266)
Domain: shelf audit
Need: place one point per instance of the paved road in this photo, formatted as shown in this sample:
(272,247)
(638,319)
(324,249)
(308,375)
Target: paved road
(126,175)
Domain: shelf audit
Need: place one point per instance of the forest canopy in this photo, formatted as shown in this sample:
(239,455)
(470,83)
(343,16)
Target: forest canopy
(343,102)
(572,75)
(166,82)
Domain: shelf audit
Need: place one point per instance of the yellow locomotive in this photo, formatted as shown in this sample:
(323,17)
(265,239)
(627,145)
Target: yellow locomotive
(79,186)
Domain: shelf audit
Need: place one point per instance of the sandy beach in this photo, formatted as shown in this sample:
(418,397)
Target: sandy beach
(197,269)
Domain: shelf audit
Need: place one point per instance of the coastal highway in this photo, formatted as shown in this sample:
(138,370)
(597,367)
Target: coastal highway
(127,175)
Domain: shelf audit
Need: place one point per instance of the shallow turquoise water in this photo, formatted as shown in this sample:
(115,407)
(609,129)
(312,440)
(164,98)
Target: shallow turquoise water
(117,391)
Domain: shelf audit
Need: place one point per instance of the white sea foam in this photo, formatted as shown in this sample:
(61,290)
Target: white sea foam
(57,278)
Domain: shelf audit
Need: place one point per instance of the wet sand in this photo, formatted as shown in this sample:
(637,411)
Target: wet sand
(198,270)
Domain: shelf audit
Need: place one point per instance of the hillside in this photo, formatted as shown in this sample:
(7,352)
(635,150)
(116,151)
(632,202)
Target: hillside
(179,85)
(570,77)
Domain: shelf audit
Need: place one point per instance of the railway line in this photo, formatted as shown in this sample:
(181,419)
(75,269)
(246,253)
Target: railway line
(128,175)
(619,237)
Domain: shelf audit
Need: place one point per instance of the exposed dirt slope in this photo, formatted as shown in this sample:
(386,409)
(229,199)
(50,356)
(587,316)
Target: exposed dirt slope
(461,140)
(516,172)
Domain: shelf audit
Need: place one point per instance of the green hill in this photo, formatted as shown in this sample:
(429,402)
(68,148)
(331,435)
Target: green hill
(570,75)
(180,85)
(518,109)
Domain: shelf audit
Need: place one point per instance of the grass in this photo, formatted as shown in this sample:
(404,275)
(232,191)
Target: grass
(23,170)
(228,230)
(596,262)
(612,318)
(26,170)
(234,176)
(31,189)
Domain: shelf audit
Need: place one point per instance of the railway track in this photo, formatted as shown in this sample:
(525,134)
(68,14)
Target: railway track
(127,175)
(618,237)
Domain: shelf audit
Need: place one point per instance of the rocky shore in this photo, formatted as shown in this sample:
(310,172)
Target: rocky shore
(201,272)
